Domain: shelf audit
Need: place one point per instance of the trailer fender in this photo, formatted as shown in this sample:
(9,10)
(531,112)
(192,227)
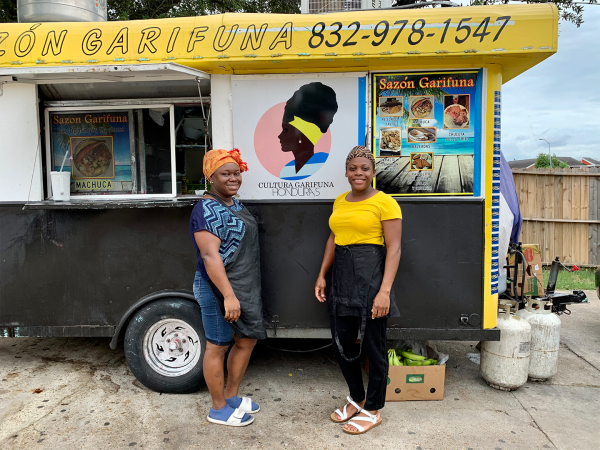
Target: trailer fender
(178,293)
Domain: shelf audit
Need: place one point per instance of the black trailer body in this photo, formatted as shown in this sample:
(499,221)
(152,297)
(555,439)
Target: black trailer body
(77,271)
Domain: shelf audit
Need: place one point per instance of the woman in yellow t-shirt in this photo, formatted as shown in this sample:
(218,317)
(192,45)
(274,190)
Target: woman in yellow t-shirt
(364,224)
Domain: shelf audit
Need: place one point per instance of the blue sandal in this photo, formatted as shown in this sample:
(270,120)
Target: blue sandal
(237,418)
(245,404)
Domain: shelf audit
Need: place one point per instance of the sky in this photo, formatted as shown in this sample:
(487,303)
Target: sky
(559,99)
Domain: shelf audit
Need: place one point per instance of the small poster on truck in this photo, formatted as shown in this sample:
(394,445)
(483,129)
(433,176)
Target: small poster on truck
(99,148)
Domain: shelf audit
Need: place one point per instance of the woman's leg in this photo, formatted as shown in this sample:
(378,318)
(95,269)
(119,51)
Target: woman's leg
(219,336)
(347,331)
(237,363)
(376,349)
(221,411)
(375,346)
(214,357)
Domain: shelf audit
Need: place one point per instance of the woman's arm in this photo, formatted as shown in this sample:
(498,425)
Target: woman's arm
(325,266)
(209,245)
(392,231)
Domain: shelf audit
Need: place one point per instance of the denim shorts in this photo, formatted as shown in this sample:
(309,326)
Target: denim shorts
(216,328)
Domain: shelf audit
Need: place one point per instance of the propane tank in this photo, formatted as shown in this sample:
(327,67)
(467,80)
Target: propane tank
(505,363)
(524,313)
(545,339)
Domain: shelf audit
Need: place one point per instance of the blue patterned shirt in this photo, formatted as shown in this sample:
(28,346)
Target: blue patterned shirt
(212,216)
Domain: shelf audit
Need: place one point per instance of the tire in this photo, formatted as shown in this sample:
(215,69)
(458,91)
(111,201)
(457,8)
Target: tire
(165,345)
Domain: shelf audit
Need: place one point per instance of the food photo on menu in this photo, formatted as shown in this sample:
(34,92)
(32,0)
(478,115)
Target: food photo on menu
(421,161)
(456,111)
(390,141)
(391,106)
(421,107)
(421,135)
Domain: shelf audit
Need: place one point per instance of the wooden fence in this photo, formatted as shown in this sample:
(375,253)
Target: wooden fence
(561,212)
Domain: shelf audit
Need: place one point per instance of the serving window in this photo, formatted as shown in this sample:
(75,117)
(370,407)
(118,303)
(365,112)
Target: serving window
(139,151)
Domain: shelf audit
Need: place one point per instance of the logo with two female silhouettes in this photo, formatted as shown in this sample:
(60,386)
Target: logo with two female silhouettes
(292,139)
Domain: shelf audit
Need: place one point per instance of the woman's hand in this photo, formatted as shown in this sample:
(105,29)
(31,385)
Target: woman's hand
(325,266)
(381,305)
(320,288)
(232,309)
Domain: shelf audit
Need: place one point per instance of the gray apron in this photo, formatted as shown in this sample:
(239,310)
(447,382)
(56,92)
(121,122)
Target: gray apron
(243,272)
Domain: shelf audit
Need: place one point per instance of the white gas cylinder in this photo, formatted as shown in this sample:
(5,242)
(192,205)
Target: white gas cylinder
(524,313)
(545,339)
(505,363)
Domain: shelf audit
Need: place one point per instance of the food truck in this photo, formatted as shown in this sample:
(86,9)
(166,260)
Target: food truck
(122,113)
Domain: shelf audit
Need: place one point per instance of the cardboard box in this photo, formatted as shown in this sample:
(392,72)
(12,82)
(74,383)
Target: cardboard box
(415,383)
(534,279)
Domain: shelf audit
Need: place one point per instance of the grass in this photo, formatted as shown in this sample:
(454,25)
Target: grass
(569,281)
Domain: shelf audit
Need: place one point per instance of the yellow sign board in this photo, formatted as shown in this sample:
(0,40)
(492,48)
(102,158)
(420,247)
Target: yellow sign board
(246,43)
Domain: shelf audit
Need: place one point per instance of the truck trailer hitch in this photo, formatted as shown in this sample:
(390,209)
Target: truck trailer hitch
(561,300)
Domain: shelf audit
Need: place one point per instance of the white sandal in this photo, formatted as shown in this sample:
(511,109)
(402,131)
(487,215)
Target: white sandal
(370,418)
(235,420)
(246,406)
(344,415)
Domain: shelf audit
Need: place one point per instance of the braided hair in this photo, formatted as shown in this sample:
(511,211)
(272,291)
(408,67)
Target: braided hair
(360,151)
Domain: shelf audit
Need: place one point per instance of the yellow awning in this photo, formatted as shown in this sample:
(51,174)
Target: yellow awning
(514,36)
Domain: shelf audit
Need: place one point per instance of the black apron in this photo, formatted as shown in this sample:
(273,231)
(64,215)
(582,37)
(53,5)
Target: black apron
(357,275)
(243,272)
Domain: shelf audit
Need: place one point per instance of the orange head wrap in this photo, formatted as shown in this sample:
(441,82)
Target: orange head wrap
(216,158)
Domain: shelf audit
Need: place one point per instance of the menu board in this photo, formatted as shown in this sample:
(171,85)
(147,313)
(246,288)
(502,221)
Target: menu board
(427,132)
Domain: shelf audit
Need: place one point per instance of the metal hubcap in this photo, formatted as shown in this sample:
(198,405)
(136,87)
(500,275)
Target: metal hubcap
(171,347)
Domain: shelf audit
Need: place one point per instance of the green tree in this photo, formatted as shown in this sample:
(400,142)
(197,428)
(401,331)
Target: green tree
(543,160)
(8,11)
(152,9)
(157,9)
(568,10)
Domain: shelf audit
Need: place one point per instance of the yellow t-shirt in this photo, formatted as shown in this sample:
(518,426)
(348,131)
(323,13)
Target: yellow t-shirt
(360,222)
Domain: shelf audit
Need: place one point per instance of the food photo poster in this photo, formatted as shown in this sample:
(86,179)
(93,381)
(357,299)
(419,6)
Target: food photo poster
(426,134)
(98,144)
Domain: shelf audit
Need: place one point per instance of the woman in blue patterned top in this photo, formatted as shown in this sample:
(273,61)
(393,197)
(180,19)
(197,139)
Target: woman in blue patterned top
(227,286)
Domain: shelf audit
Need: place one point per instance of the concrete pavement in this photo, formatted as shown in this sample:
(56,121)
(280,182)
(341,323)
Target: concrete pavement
(79,394)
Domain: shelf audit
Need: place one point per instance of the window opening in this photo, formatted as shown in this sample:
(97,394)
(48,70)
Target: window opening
(113,151)
(192,142)
(154,147)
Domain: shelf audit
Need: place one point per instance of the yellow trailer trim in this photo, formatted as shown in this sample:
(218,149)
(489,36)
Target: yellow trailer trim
(515,37)
(490,301)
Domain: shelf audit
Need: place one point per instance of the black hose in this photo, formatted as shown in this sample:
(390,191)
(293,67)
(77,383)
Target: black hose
(300,351)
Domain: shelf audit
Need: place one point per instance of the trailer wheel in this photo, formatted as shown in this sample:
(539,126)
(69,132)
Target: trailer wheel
(165,344)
